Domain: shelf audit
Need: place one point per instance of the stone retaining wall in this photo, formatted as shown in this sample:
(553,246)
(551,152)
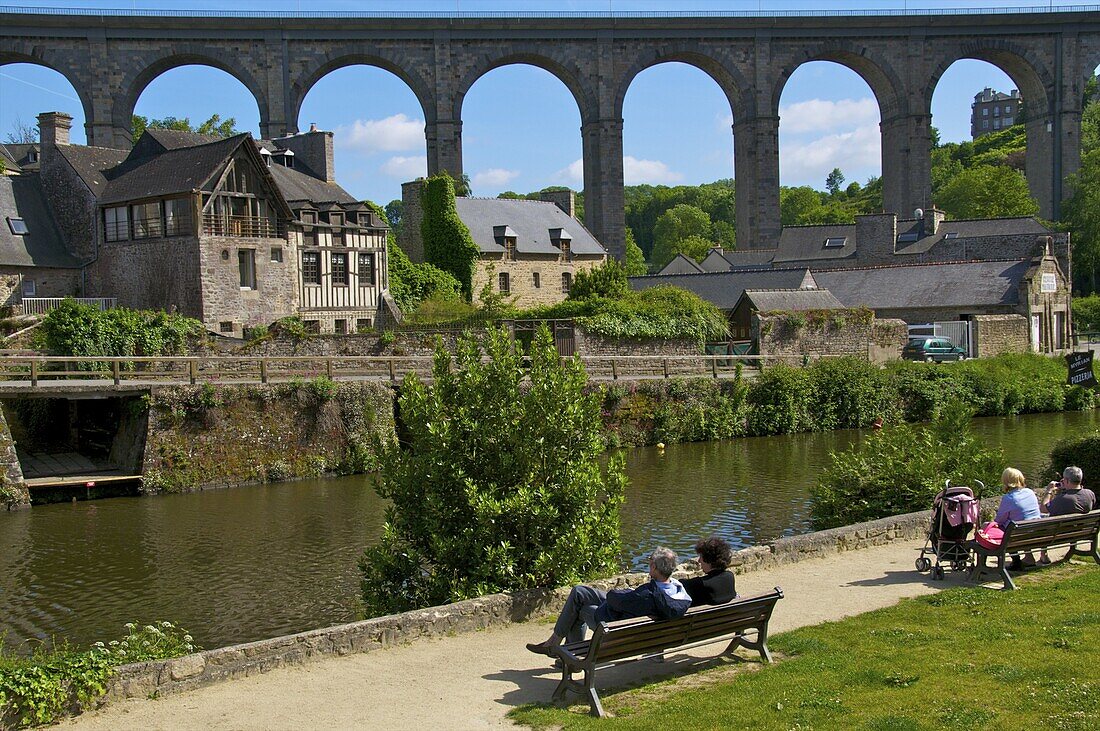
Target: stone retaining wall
(13,491)
(140,680)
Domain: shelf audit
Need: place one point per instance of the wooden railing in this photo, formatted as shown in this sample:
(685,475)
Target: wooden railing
(214,224)
(42,305)
(19,372)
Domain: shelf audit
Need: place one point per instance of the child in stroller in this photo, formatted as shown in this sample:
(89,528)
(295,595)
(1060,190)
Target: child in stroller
(954,515)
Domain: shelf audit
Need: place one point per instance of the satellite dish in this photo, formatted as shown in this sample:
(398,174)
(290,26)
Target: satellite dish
(919,213)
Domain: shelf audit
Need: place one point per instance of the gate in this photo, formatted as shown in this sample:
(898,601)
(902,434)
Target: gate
(959,332)
(562,330)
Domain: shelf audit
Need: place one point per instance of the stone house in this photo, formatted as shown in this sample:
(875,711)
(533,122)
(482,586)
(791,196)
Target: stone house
(234,232)
(753,301)
(529,250)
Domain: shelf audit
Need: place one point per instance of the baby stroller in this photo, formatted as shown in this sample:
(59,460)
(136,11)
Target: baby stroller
(954,515)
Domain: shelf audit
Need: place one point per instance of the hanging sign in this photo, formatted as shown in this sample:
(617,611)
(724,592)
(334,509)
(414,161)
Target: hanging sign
(1080,369)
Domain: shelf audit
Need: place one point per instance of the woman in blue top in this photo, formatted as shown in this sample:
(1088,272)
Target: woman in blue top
(1018,504)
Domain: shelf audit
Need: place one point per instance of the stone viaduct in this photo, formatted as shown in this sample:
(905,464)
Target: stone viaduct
(110,59)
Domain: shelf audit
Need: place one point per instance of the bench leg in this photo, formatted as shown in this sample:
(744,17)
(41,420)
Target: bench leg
(760,644)
(979,568)
(593,697)
(1002,564)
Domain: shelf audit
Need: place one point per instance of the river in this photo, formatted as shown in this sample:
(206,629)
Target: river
(255,562)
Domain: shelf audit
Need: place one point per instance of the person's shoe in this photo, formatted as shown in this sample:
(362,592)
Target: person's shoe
(1044,560)
(1016,565)
(540,648)
(1028,562)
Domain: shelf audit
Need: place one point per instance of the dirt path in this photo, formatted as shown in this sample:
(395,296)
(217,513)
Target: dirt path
(471,681)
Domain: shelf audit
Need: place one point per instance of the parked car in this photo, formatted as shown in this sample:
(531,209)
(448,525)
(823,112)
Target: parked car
(932,350)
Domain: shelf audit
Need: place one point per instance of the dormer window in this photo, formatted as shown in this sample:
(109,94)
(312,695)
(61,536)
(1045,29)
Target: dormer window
(835,242)
(506,238)
(32,156)
(364,219)
(336,219)
(562,239)
(309,216)
(266,155)
(286,157)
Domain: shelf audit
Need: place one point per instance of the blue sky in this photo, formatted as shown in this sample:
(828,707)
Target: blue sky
(521,125)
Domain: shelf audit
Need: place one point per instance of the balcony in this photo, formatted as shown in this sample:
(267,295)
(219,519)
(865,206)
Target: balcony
(242,226)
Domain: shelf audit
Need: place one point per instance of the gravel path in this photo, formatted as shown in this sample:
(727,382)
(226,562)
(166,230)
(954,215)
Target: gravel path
(471,681)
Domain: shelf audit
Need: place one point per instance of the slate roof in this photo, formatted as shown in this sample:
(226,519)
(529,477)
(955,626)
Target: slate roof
(297,186)
(180,170)
(90,163)
(808,242)
(749,258)
(19,153)
(171,139)
(792,300)
(531,220)
(21,196)
(950,284)
(682,264)
(715,261)
(723,289)
(9,161)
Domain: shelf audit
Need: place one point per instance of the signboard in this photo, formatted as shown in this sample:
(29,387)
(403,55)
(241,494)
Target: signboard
(1049,284)
(1080,369)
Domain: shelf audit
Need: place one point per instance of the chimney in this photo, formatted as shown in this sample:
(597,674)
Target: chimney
(412,214)
(563,199)
(53,128)
(876,237)
(933,217)
(314,150)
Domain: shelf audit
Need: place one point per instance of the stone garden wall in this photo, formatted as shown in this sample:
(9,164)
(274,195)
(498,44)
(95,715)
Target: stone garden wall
(816,333)
(997,334)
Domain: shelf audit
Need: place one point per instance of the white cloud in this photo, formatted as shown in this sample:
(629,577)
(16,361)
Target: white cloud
(406,168)
(493,178)
(654,172)
(574,173)
(808,162)
(819,115)
(392,134)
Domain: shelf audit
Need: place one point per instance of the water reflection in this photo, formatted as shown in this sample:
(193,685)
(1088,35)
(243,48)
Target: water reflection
(249,563)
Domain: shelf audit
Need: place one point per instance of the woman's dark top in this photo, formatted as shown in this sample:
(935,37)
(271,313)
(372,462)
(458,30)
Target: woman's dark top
(717,587)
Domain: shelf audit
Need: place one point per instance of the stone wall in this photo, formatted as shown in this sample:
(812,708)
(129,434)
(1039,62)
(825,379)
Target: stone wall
(150,274)
(815,333)
(206,436)
(412,213)
(997,334)
(226,306)
(142,680)
(73,206)
(13,492)
(888,337)
(47,283)
(521,273)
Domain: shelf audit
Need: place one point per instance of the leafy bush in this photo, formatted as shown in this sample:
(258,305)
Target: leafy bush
(1083,452)
(447,242)
(779,400)
(441,307)
(82,330)
(848,393)
(606,280)
(498,484)
(411,284)
(1086,313)
(901,468)
(50,683)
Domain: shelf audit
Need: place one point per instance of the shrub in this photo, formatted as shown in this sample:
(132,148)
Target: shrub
(498,485)
(779,400)
(1083,452)
(447,242)
(900,469)
(606,280)
(1086,313)
(411,284)
(848,393)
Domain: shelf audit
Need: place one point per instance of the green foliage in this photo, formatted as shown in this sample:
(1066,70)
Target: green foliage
(900,468)
(677,410)
(682,229)
(215,126)
(1086,312)
(51,683)
(83,330)
(448,307)
(323,389)
(606,280)
(411,284)
(289,327)
(645,204)
(498,484)
(780,402)
(635,259)
(1081,216)
(664,312)
(1084,452)
(987,192)
(834,180)
(447,242)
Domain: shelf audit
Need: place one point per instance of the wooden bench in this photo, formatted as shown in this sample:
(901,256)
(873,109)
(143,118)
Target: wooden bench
(637,639)
(1041,533)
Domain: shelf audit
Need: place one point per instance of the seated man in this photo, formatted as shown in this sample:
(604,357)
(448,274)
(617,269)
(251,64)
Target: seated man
(1067,498)
(716,585)
(662,598)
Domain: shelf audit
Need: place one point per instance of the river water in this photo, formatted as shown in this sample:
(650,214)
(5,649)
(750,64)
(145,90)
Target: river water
(254,562)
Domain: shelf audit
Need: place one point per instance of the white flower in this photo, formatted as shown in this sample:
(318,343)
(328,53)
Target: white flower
(188,638)
(129,625)
(98,644)
(145,644)
(165,624)
(113,643)
(150,628)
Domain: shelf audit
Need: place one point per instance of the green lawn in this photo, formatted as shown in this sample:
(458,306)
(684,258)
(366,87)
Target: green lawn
(967,658)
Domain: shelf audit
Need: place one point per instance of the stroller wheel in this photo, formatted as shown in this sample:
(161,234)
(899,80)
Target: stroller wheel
(937,573)
(923,564)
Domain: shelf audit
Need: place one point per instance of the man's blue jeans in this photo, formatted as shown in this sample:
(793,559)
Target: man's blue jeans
(579,610)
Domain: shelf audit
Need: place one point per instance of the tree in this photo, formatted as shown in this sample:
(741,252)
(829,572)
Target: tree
(834,181)
(677,225)
(800,206)
(22,133)
(635,259)
(606,280)
(1081,214)
(447,242)
(215,126)
(499,484)
(987,192)
(411,284)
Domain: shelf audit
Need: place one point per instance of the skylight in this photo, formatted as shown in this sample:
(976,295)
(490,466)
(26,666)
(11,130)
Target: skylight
(18,226)
(834,241)
(908,238)
(951,235)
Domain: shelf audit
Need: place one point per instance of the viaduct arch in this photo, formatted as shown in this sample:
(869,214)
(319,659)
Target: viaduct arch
(110,58)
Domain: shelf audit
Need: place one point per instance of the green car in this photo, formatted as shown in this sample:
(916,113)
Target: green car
(931,350)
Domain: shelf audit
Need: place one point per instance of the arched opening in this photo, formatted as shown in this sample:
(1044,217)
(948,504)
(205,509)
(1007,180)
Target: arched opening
(27,90)
(194,97)
(678,164)
(830,146)
(378,130)
(990,124)
(520,132)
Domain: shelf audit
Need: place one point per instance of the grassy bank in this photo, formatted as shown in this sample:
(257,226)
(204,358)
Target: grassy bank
(965,658)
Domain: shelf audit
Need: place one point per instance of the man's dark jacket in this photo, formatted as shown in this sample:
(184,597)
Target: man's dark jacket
(648,600)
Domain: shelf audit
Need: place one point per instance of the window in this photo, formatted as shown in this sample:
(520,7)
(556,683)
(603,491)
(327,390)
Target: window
(313,327)
(509,248)
(996,111)
(341,327)
(339,264)
(17,225)
(225,327)
(311,267)
(950,235)
(985,112)
(985,124)
(309,217)
(362,325)
(834,241)
(908,238)
(246,259)
(146,218)
(566,281)
(536,280)
(996,124)
(504,283)
(116,223)
(565,244)
(29,287)
(366,270)
(1008,121)
(177,217)
(277,254)
(1008,109)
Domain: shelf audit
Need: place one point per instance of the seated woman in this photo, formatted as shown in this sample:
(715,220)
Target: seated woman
(1018,504)
(716,585)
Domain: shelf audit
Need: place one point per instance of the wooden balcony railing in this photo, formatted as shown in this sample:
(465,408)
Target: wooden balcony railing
(244,226)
